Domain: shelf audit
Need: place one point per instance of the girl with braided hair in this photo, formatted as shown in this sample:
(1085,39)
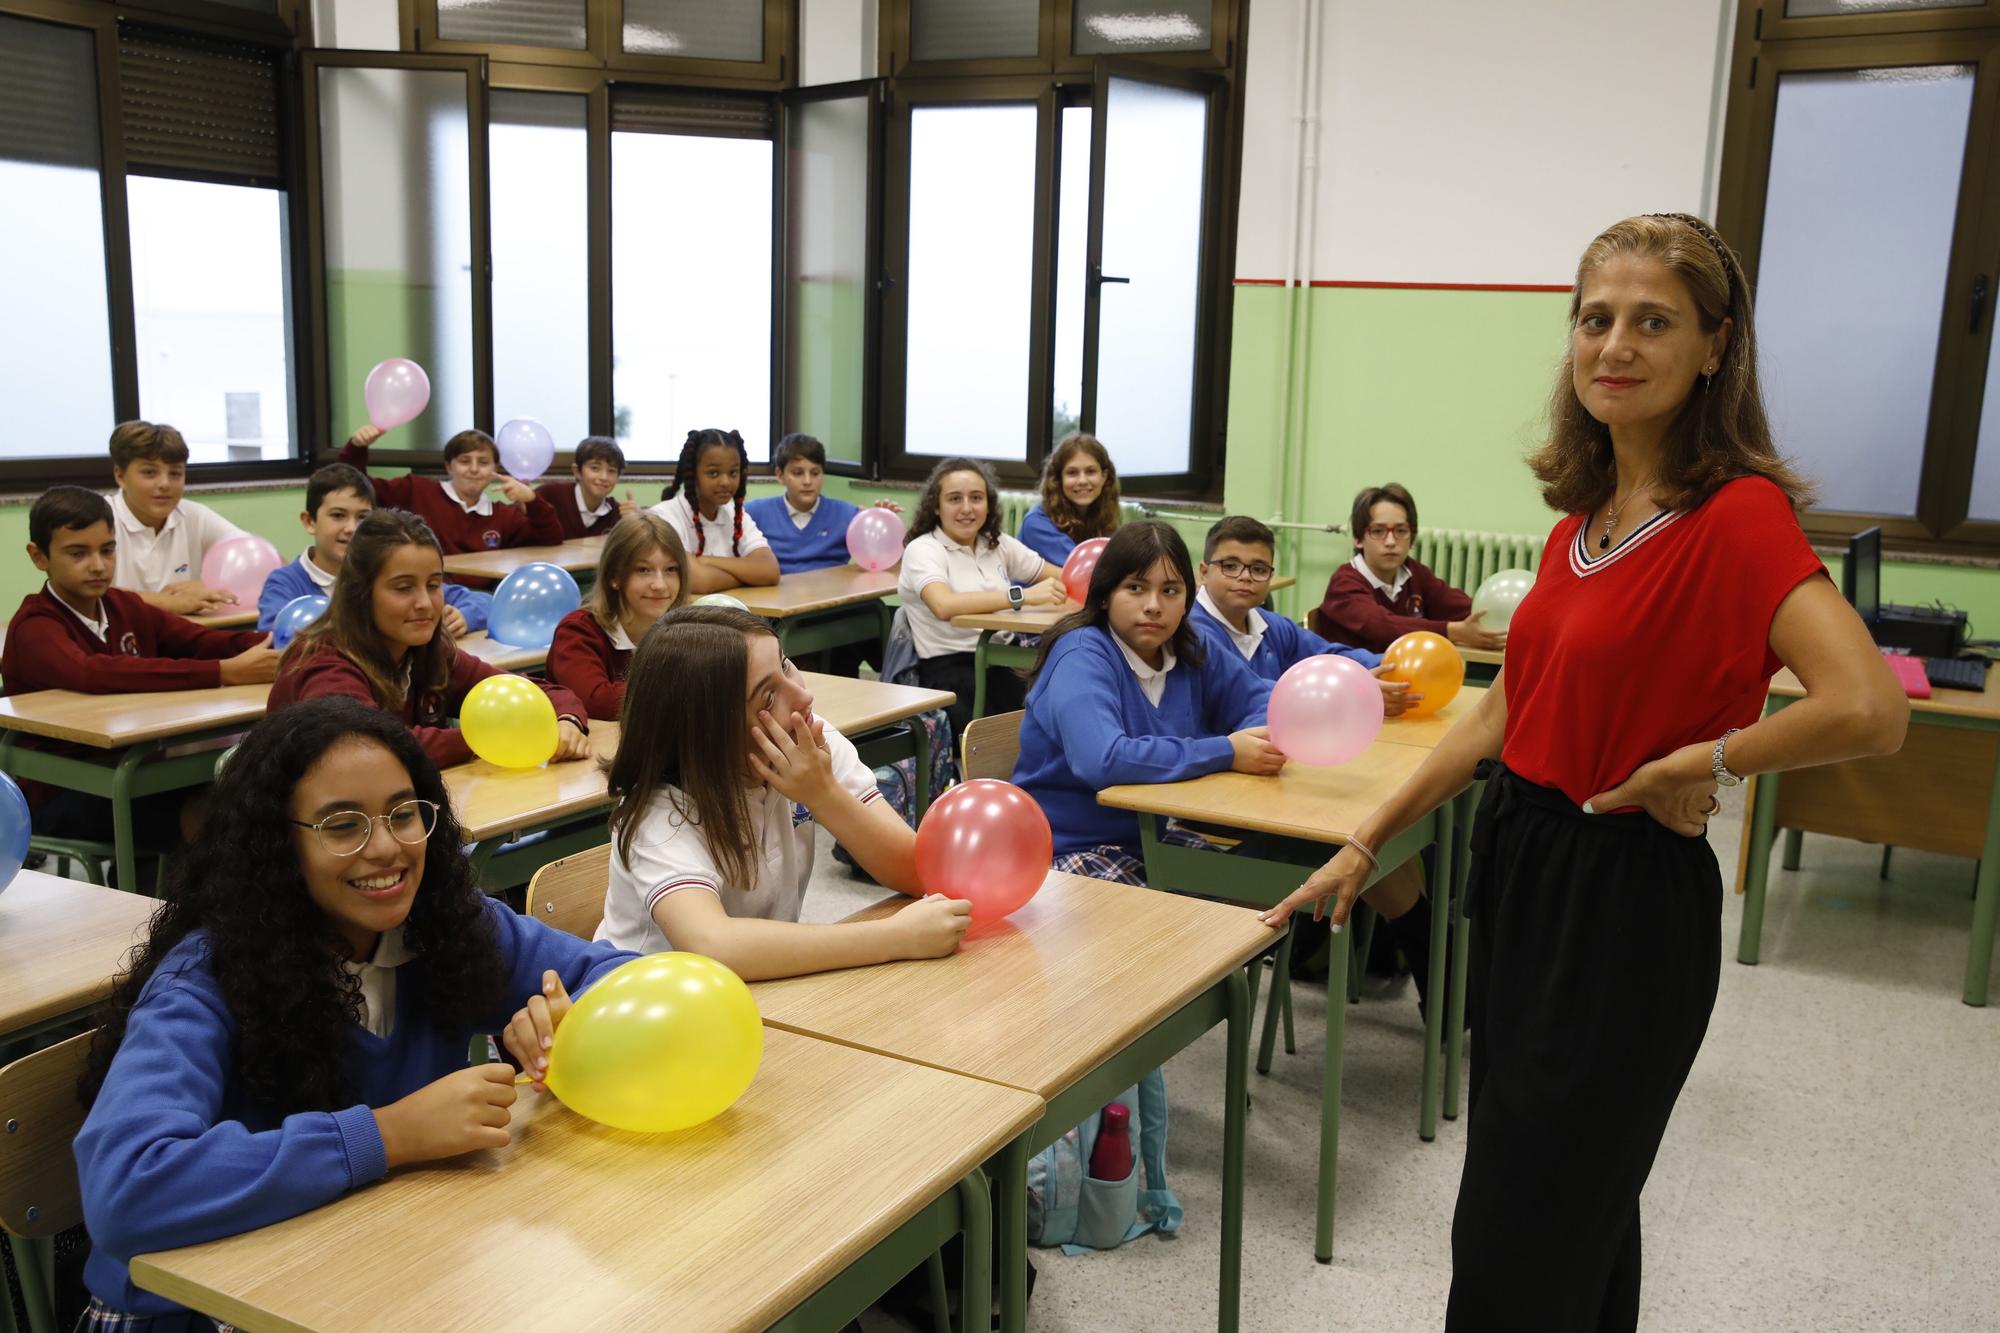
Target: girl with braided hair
(704,506)
(1677,582)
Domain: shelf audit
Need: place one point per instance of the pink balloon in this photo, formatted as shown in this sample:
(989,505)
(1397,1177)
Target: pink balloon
(239,565)
(986,842)
(875,539)
(397,391)
(1082,563)
(1325,710)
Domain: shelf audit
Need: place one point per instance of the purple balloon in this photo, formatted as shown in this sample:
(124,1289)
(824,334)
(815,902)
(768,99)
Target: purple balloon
(397,391)
(526,448)
(875,538)
(1325,710)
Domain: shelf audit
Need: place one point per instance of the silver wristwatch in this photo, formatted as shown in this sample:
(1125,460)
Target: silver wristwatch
(1723,777)
(1015,595)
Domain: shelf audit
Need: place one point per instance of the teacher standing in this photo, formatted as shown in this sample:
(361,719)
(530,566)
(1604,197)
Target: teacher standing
(1678,583)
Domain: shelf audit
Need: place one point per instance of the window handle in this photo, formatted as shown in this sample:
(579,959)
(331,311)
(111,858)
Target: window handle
(1098,275)
(1979,284)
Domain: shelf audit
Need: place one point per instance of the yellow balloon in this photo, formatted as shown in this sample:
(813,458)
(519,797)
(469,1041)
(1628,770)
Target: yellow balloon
(508,721)
(664,1042)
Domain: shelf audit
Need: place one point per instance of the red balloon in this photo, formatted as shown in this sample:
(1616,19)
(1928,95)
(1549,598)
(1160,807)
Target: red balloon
(987,842)
(1081,564)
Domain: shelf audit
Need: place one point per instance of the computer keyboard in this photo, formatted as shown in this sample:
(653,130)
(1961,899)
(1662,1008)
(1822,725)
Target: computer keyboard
(1956,673)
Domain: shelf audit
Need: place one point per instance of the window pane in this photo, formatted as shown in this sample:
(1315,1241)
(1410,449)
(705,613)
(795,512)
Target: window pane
(208,300)
(1072,265)
(696,29)
(1986,471)
(970,280)
(557,23)
(1111,27)
(394,155)
(541,260)
(691,290)
(1815,8)
(1153,155)
(974,29)
(1863,163)
(827,269)
(55,342)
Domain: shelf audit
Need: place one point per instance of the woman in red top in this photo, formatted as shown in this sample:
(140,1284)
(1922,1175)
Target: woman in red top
(642,574)
(379,641)
(1636,673)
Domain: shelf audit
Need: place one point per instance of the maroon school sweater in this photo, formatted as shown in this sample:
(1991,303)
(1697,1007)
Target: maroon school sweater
(561,497)
(583,660)
(1355,612)
(532,524)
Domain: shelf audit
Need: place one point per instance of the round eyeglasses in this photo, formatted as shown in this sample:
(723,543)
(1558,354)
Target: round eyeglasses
(346,832)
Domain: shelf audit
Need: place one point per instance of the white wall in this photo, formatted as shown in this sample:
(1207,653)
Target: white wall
(1466,141)
(836,40)
(357,25)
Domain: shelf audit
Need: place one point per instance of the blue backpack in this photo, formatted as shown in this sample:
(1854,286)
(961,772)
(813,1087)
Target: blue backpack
(1069,1207)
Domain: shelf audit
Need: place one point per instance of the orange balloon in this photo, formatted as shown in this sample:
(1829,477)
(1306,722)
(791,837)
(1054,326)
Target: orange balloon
(1430,665)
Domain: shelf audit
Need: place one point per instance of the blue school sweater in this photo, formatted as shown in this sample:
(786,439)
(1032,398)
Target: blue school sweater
(1040,534)
(1089,726)
(1284,644)
(174,1153)
(821,544)
(281,585)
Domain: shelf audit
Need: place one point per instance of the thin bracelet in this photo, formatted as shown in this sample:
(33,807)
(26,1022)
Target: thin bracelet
(1364,849)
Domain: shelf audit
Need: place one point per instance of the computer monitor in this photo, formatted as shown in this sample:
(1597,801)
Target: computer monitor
(1861,575)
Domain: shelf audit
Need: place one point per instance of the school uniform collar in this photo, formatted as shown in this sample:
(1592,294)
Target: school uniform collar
(619,638)
(1144,672)
(801,517)
(132,523)
(101,626)
(390,951)
(1246,643)
(602,509)
(320,577)
(1402,577)
(484,508)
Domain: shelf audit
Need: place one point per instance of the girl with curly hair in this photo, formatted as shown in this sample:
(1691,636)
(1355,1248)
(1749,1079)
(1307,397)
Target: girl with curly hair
(296,1023)
(1079,499)
(704,502)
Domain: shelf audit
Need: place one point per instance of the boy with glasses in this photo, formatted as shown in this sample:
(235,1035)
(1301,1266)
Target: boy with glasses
(1382,594)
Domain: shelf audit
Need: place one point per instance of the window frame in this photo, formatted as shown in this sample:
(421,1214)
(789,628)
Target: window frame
(1778,26)
(1941,524)
(1056,54)
(604,27)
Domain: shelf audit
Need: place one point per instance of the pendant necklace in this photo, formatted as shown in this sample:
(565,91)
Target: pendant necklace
(1611,513)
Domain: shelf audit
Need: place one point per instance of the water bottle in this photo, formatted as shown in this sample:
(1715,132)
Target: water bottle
(1111,1157)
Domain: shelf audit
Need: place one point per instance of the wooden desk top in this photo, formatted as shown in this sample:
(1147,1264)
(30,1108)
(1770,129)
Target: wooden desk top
(228,619)
(855,706)
(112,721)
(571,555)
(1316,804)
(1428,730)
(61,943)
(1029,620)
(505,656)
(1035,1001)
(1483,656)
(817,590)
(1942,703)
(725,1226)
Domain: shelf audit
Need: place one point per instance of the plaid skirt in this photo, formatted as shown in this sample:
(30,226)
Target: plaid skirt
(101,1318)
(1120,864)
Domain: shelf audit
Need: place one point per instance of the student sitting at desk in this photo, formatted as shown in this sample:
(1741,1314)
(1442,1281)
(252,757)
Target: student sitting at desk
(379,642)
(584,504)
(1382,594)
(641,575)
(81,633)
(806,530)
(458,508)
(1079,499)
(704,502)
(338,497)
(295,1025)
(162,535)
(721,772)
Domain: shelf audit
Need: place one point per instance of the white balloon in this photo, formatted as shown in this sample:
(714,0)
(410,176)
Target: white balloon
(1500,594)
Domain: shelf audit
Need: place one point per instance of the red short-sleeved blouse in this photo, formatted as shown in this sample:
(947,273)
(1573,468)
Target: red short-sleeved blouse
(1620,657)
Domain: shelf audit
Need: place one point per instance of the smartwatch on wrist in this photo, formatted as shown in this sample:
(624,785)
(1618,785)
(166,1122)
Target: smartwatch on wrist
(1015,594)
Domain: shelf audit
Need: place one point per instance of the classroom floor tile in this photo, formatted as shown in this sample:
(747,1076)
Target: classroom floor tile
(1832,1163)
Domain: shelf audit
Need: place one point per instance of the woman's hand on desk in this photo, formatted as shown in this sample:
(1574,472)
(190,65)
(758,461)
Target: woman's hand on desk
(1677,790)
(1331,890)
(1254,752)
(571,742)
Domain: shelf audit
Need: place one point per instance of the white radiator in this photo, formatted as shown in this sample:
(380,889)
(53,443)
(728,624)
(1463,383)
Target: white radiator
(1465,559)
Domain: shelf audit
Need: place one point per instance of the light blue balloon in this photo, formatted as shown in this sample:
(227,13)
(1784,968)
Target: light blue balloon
(13,830)
(294,616)
(528,604)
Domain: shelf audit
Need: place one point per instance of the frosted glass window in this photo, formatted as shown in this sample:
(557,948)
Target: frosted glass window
(1851,282)
(690,290)
(556,23)
(1153,181)
(55,341)
(971,280)
(208,304)
(1820,8)
(827,272)
(1072,265)
(974,29)
(1986,472)
(540,236)
(1113,27)
(696,29)
(395,157)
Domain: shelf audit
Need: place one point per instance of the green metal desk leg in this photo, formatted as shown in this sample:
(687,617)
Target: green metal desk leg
(1461,868)
(1441,863)
(940,1292)
(979,674)
(1985,905)
(782,627)
(1795,841)
(920,750)
(975,1207)
(1236,1106)
(123,837)
(1329,1095)
(29,1258)
(1281,985)
(1012,1218)
(1757,867)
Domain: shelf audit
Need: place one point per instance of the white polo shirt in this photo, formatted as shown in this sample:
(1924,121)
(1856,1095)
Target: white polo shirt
(1152,680)
(148,561)
(936,558)
(717,532)
(378,981)
(669,855)
(1247,644)
(800,517)
(483,506)
(604,506)
(1395,590)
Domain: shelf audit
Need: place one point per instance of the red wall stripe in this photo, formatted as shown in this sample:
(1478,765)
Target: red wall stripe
(1413,286)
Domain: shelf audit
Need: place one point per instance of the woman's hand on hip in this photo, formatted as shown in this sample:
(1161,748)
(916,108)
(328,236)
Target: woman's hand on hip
(1677,790)
(1331,890)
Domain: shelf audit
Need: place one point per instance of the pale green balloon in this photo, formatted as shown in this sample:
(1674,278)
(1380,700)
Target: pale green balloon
(1500,594)
(719,599)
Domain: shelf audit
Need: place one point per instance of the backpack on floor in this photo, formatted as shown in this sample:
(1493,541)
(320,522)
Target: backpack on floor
(1070,1208)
